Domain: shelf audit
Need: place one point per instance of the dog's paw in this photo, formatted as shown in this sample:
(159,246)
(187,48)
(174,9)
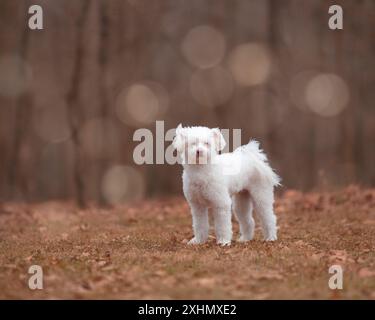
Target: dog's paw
(271,238)
(244,238)
(194,241)
(224,243)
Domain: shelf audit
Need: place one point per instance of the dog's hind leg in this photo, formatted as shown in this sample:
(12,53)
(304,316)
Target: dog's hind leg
(243,209)
(263,199)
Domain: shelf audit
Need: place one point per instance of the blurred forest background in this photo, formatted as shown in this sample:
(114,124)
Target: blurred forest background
(72,94)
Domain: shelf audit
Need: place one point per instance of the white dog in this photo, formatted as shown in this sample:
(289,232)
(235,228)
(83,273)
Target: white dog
(213,181)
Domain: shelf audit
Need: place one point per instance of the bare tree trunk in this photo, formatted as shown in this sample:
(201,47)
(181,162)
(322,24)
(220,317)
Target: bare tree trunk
(22,108)
(103,60)
(74,109)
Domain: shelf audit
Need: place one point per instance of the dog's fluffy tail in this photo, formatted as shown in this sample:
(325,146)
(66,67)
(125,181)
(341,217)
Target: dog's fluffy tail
(260,162)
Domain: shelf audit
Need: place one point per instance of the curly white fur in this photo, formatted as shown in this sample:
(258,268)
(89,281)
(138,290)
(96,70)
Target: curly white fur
(216,181)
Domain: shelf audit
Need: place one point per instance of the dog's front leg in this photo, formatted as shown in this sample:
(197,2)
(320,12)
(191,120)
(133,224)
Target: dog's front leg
(223,225)
(200,224)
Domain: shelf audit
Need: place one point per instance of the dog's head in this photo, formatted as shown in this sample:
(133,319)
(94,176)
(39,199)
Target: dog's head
(198,145)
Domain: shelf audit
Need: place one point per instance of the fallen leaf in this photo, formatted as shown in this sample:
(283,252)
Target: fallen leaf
(317,256)
(366,273)
(361,260)
(338,255)
(267,275)
(206,282)
(102,263)
(160,273)
(29,258)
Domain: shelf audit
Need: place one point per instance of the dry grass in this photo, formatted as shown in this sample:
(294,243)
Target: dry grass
(139,251)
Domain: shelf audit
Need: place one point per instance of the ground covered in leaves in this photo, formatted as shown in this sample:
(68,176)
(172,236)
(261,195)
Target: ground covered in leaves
(139,251)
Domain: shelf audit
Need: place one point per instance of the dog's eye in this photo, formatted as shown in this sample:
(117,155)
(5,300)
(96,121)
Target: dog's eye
(207,144)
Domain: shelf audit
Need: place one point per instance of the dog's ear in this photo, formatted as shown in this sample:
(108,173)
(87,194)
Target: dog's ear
(218,139)
(180,139)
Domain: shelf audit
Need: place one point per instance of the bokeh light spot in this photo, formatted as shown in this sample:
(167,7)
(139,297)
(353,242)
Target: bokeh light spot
(141,103)
(327,94)
(250,64)
(121,184)
(203,47)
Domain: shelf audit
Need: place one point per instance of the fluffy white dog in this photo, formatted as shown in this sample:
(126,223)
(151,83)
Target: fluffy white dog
(215,181)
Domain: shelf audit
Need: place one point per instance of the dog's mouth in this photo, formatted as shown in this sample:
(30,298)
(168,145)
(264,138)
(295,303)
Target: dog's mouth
(201,158)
